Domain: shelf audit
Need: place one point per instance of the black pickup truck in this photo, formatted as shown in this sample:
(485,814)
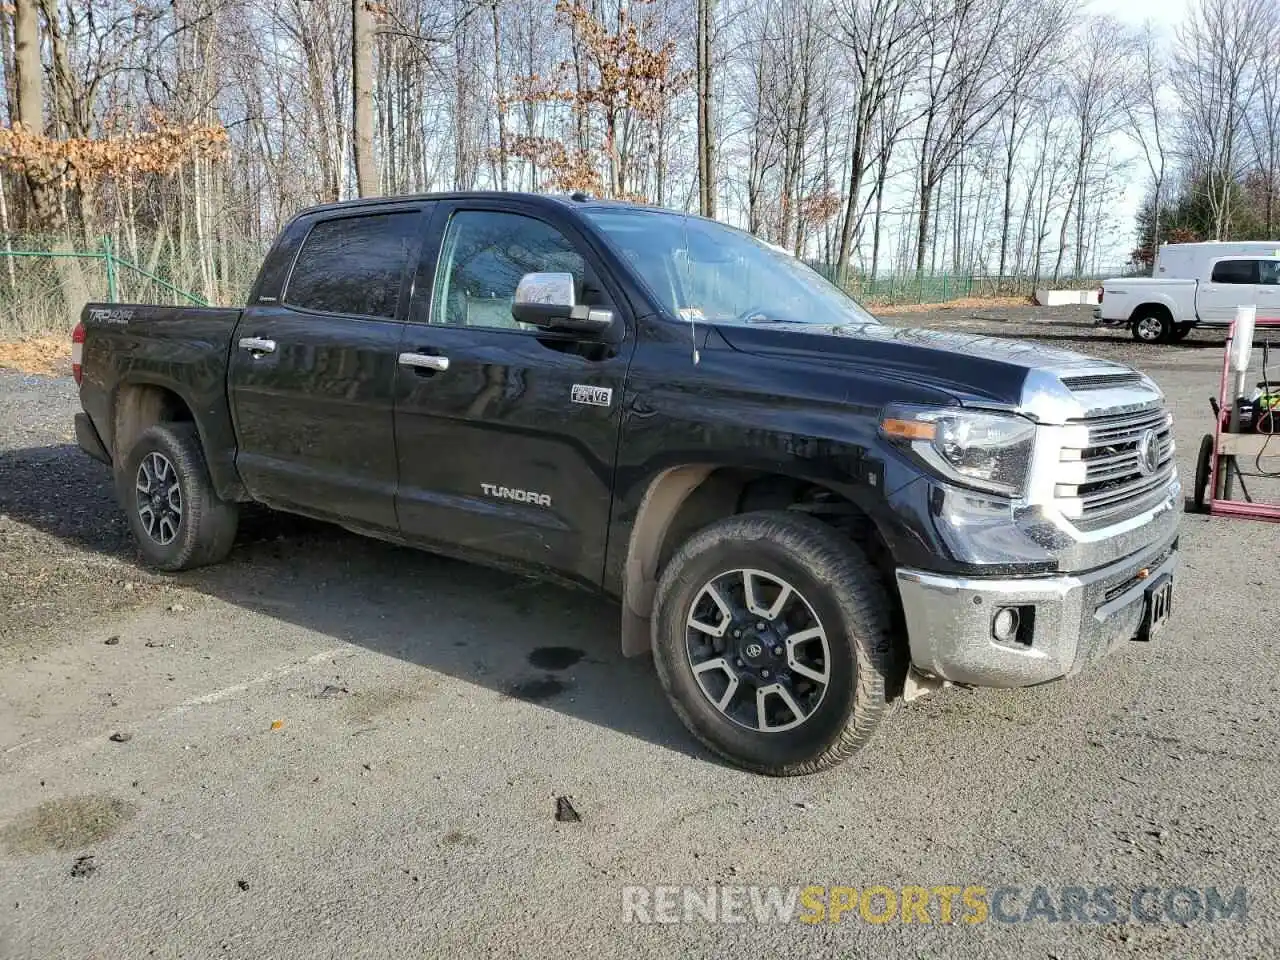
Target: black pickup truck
(803,512)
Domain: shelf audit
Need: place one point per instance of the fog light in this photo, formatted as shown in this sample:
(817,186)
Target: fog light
(1004,625)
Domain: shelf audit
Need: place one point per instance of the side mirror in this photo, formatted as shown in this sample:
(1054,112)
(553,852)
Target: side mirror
(547,300)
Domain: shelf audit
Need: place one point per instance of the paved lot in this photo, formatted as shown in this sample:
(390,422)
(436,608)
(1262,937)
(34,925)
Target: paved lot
(335,747)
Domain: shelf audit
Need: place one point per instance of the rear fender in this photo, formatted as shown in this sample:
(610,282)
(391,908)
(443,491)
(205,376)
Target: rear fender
(144,400)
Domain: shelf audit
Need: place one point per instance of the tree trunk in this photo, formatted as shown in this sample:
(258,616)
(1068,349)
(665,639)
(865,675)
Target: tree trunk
(30,95)
(856,160)
(362,97)
(706,136)
(881,178)
(1006,211)
(500,97)
(922,228)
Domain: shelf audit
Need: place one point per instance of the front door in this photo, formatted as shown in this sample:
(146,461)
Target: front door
(506,434)
(313,371)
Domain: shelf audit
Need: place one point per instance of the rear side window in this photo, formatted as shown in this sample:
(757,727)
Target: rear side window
(354,265)
(1235,271)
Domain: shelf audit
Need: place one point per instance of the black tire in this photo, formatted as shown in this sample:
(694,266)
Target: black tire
(1181,331)
(1204,471)
(1152,326)
(841,589)
(206,526)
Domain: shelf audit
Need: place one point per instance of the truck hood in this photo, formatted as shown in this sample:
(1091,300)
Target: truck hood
(977,370)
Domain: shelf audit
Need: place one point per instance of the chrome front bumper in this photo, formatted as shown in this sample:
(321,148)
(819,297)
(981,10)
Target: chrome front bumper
(1076,619)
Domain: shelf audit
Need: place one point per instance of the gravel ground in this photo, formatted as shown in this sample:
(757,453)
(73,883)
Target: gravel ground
(329,746)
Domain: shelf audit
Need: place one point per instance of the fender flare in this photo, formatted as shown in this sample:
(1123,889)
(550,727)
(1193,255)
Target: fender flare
(660,505)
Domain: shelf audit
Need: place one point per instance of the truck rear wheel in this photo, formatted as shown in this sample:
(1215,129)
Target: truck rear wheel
(174,513)
(1152,326)
(771,640)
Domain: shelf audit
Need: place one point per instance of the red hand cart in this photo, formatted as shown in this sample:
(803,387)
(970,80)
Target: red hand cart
(1218,469)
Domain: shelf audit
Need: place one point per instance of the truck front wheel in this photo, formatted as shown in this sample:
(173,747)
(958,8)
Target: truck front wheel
(771,640)
(1152,326)
(174,513)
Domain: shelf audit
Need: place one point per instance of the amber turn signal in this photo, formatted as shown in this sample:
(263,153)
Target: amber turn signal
(908,429)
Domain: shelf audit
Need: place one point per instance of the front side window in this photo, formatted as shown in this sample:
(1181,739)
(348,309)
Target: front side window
(484,255)
(1235,271)
(703,270)
(1269,271)
(354,265)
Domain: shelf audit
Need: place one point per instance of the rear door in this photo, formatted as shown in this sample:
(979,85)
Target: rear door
(507,435)
(1269,288)
(313,366)
(1232,283)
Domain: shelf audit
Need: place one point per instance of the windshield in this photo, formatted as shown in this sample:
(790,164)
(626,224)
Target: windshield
(702,270)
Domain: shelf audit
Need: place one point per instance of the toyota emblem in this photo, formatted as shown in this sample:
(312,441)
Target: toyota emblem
(754,650)
(1149,453)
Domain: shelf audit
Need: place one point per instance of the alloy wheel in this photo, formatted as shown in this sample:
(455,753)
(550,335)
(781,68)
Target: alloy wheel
(758,651)
(1150,328)
(159,498)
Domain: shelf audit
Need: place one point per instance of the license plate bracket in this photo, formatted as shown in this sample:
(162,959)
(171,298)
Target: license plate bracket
(1158,604)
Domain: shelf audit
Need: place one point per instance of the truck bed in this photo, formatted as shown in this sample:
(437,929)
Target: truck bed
(181,350)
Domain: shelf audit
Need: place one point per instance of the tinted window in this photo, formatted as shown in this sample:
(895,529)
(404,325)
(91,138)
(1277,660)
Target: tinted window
(1235,271)
(354,265)
(485,254)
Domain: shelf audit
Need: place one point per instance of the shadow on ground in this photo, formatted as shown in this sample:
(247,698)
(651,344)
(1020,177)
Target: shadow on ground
(520,637)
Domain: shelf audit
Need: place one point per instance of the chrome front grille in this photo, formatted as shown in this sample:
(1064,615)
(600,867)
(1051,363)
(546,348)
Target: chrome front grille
(1114,467)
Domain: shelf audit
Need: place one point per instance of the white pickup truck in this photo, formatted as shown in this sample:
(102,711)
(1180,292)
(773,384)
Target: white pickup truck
(1194,284)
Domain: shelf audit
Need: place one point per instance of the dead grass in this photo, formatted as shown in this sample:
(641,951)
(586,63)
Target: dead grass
(965,303)
(47,356)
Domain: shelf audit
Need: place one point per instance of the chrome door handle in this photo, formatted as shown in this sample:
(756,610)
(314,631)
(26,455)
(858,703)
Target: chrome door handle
(424,360)
(257,345)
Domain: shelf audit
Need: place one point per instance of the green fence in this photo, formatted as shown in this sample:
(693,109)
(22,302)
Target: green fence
(45,282)
(940,287)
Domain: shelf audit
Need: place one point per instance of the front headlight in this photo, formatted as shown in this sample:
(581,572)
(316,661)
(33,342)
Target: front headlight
(987,451)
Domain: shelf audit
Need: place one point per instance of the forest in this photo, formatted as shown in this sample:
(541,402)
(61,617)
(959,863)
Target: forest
(874,138)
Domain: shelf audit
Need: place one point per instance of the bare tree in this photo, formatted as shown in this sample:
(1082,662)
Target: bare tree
(1095,94)
(1219,50)
(961,93)
(362,40)
(881,43)
(29,96)
(706,87)
(1145,109)
(1263,120)
(1036,30)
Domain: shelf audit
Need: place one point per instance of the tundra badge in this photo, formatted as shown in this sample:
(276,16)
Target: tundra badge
(592,396)
(519,496)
